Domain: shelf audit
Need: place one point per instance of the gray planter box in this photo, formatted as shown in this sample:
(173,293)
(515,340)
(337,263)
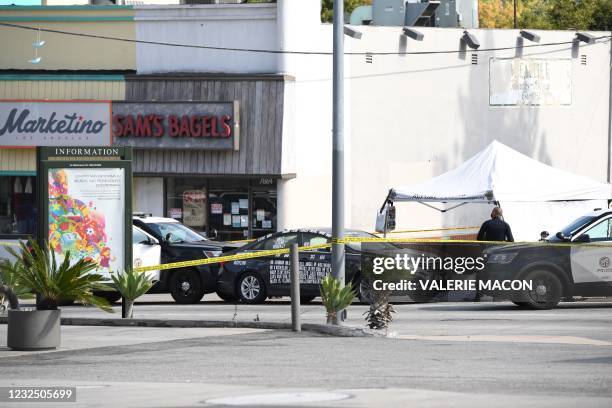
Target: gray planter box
(33,329)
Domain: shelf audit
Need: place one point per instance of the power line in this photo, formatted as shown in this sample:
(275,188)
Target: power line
(264,51)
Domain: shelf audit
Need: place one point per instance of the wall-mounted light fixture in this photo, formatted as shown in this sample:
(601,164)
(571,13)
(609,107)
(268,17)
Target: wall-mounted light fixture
(414,34)
(586,38)
(352,33)
(470,40)
(528,35)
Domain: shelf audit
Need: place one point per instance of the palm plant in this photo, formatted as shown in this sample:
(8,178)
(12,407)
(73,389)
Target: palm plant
(380,314)
(335,297)
(131,285)
(37,269)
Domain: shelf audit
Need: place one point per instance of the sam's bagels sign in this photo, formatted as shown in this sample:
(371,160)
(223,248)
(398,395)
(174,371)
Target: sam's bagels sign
(176,125)
(150,125)
(42,123)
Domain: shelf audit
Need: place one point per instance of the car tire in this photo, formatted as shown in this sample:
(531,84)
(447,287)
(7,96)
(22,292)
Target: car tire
(111,297)
(226,297)
(306,299)
(364,291)
(420,295)
(547,290)
(186,286)
(251,288)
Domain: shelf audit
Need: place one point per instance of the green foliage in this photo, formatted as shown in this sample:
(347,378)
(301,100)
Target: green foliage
(36,268)
(334,296)
(547,14)
(8,276)
(132,284)
(327,8)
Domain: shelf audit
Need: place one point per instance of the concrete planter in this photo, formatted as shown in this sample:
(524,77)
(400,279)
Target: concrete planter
(33,329)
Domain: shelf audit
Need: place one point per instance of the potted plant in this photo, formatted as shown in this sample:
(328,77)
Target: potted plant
(335,298)
(36,268)
(131,285)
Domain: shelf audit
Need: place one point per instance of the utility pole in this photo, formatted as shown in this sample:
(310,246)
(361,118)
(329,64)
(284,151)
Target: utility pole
(338,144)
(608,175)
(515,20)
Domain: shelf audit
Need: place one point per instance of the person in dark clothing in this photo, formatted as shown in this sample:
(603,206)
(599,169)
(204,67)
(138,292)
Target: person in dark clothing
(495,229)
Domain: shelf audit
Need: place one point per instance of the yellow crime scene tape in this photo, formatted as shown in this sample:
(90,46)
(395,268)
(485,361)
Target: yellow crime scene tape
(429,230)
(348,240)
(391,232)
(9,244)
(227,258)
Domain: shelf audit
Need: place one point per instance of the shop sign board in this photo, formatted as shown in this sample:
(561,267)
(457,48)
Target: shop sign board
(530,81)
(177,125)
(33,123)
(85,205)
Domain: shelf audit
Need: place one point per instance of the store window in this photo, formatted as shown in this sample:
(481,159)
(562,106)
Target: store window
(229,208)
(264,211)
(222,207)
(17,205)
(186,201)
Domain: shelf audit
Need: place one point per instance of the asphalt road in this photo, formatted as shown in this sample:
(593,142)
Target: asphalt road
(459,354)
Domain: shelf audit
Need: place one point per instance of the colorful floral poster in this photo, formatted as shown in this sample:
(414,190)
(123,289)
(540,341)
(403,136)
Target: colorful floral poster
(86,215)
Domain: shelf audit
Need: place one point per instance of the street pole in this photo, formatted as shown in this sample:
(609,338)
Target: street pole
(338,144)
(295,288)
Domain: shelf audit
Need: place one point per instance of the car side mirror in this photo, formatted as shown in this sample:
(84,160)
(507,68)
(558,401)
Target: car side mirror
(544,234)
(561,236)
(168,237)
(152,241)
(584,238)
(213,234)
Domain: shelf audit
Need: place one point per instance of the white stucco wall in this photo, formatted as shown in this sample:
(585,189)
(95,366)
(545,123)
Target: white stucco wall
(417,116)
(250,26)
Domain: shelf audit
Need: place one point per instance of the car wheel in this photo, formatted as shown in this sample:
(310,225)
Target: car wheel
(186,287)
(251,288)
(306,299)
(546,292)
(420,295)
(112,297)
(226,297)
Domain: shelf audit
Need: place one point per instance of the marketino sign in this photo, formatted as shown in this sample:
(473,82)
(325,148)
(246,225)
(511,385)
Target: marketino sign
(55,123)
(177,125)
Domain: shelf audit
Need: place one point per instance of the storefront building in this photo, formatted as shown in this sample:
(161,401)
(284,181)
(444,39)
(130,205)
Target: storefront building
(211,161)
(207,149)
(410,115)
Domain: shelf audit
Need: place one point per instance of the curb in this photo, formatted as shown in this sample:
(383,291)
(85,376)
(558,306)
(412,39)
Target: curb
(337,331)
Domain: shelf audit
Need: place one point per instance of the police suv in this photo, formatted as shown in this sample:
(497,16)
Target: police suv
(574,262)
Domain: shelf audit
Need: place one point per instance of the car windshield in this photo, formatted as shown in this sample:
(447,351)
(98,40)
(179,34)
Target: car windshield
(574,226)
(178,232)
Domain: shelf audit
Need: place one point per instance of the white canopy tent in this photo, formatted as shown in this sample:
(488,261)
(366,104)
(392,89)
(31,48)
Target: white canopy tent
(533,195)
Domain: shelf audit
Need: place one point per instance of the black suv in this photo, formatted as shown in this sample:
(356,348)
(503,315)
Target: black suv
(181,243)
(578,265)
